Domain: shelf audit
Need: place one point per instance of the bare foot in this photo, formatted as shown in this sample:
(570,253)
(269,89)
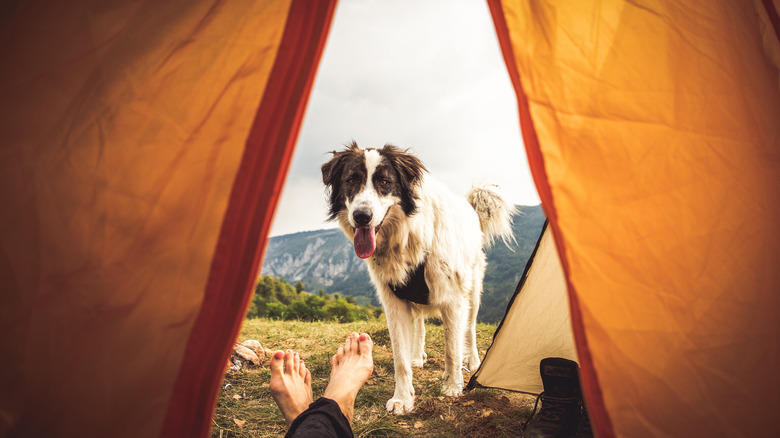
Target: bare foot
(290,384)
(352,366)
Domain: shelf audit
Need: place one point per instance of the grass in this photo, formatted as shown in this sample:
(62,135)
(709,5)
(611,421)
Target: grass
(245,407)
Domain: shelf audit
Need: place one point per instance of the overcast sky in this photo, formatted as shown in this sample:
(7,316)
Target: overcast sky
(425,75)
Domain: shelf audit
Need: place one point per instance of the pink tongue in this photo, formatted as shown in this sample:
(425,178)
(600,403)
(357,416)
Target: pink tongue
(365,242)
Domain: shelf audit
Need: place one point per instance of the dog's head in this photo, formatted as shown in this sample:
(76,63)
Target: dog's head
(364,184)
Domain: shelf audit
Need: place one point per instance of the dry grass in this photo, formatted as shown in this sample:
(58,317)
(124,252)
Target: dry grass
(246,409)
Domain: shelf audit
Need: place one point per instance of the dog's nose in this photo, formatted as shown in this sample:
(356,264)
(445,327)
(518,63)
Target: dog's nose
(361,217)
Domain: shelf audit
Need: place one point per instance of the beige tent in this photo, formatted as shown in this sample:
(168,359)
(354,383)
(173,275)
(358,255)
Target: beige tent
(536,325)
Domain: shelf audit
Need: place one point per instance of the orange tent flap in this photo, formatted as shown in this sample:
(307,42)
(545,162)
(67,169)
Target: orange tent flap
(134,159)
(248,218)
(653,135)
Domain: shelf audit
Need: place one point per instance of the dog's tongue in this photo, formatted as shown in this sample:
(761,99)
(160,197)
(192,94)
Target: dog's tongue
(365,242)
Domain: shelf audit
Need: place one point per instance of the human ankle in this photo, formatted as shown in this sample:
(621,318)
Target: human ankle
(346,401)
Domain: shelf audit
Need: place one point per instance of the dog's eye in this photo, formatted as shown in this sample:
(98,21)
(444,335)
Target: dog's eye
(351,180)
(383,182)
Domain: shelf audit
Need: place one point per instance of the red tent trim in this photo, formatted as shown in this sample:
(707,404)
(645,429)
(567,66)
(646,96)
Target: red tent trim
(247,221)
(590,383)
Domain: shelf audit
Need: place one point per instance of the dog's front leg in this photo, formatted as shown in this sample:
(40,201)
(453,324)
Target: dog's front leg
(418,343)
(453,319)
(399,322)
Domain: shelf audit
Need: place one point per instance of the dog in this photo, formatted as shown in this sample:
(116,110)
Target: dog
(424,249)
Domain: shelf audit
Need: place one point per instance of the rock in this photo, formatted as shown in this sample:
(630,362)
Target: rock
(254,346)
(246,354)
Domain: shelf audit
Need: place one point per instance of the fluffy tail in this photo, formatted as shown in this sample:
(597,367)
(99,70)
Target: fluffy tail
(495,213)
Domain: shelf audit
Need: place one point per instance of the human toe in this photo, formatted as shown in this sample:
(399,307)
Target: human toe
(289,361)
(296,363)
(355,342)
(366,345)
(277,362)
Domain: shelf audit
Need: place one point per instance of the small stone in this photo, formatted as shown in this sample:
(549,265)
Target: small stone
(255,346)
(245,353)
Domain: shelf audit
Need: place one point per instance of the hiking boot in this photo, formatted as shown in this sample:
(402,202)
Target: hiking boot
(585,429)
(559,416)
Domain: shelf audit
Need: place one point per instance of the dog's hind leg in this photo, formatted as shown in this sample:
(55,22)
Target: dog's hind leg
(418,343)
(471,353)
(399,324)
(452,314)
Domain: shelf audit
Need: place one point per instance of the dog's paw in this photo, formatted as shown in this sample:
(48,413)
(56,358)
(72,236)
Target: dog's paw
(471,363)
(397,406)
(452,385)
(420,361)
(450,389)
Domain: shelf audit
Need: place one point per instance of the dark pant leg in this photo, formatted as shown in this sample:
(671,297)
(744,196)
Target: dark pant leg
(323,419)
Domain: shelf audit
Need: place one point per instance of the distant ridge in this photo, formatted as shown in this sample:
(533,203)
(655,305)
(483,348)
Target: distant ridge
(325,259)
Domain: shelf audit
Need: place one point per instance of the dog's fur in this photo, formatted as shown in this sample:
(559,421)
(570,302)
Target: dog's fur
(416,220)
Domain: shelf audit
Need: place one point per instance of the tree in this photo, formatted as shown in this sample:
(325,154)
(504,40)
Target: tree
(339,311)
(265,287)
(276,310)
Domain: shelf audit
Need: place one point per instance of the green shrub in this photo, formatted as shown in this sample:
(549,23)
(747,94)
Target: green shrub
(275,298)
(275,310)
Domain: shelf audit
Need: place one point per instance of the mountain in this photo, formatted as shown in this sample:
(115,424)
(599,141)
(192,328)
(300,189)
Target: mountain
(321,259)
(325,259)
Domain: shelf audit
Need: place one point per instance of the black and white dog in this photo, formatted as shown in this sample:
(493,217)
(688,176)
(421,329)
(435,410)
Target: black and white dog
(424,250)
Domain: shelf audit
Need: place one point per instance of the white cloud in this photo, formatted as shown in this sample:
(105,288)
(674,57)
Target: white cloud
(302,207)
(422,75)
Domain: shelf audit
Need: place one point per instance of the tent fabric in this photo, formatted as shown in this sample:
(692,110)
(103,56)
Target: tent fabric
(536,325)
(247,222)
(653,137)
(145,146)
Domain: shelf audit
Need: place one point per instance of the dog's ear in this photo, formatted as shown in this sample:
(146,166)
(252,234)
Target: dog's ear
(331,171)
(410,171)
(331,177)
(409,167)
